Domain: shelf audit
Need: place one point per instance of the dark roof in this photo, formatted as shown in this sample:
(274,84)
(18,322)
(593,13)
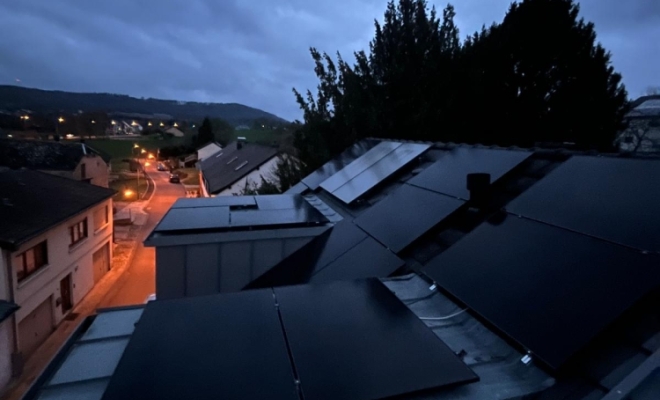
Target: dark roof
(470,271)
(231,164)
(44,155)
(7,308)
(31,202)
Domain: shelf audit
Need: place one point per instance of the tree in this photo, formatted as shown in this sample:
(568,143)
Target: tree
(552,81)
(223,131)
(204,134)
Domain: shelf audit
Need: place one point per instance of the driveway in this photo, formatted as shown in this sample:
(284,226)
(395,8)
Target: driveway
(139,280)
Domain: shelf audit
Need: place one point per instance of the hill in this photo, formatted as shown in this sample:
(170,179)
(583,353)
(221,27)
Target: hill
(52,101)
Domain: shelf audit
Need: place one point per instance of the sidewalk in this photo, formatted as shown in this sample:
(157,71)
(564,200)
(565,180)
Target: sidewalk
(126,240)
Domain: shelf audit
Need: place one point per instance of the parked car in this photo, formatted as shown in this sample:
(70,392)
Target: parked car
(161,167)
(174,178)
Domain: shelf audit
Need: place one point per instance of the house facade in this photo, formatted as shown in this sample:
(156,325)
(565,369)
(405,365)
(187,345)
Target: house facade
(642,134)
(51,256)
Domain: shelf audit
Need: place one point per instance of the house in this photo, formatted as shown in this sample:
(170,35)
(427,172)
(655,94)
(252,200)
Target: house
(208,151)
(174,132)
(55,245)
(236,167)
(71,160)
(536,269)
(643,127)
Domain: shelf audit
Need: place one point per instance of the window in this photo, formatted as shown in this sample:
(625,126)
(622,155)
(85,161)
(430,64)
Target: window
(83,171)
(101,218)
(32,260)
(78,232)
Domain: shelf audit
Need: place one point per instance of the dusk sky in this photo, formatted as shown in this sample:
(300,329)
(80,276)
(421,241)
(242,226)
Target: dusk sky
(249,51)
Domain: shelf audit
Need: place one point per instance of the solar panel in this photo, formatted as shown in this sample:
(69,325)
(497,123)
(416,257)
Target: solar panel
(361,164)
(314,179)
(194,218)
(405,215)
(280,201)
(290,216)
(379,171)
(186,348)
(217,201)
(448,175)
(366,344)
(613,199)
(548,289)
(366,260)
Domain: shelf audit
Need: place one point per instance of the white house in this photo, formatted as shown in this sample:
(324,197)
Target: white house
(642,134)
(55,245)
(236,166)
(208,150)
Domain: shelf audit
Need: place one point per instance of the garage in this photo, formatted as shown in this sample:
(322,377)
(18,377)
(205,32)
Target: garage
(101,262)
(35,327)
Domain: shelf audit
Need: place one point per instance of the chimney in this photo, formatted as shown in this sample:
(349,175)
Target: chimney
(240,141)
(478,184)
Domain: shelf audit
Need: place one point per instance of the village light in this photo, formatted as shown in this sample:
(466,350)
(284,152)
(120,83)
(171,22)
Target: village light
(128,193)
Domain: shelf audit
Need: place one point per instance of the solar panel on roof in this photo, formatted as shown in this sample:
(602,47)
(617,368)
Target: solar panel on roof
(194,218)
(288,216)
(548,289)
(383,168)
(217,201)
(366,343)
(368,259)
(361,164)
(280,201)
(179,351)
(405,215)
(448,175)
(613,199)
(314,179)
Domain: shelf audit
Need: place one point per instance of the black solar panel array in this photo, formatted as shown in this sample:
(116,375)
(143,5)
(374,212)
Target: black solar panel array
(371,169)
(449,174)
(314,179)
(549,289)
(405,215)
(612,199)
(347,340)
(227,212)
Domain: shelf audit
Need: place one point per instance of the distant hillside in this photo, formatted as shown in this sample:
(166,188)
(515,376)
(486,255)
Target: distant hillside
(47,101)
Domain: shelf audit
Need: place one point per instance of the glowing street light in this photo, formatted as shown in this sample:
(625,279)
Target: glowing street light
(93,122)
(176,125)
(60,120)
(25,117)
(133,123)
(128,193)
(136,146)
(149,124)
(162,124)
(143,151)
(113,122)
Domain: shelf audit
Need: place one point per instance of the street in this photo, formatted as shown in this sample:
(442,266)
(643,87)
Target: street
(139,280)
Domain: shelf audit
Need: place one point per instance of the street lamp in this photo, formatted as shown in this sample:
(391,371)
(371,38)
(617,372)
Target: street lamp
(60,120)
(149,123)
(57,126)
(137,146)
(162,124)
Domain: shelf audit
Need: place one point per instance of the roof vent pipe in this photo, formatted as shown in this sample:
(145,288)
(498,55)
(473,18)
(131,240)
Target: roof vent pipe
(478,184)
(240,141)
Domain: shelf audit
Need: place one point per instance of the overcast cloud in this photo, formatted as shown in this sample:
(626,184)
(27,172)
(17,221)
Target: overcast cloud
(247,51)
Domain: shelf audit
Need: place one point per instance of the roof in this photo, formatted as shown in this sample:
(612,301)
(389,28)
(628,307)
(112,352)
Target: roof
(84,365)
(32,202)
(208,150)
(645,107)
(7,308)
(175,132)
(44,155)
(231,164)
(543,281)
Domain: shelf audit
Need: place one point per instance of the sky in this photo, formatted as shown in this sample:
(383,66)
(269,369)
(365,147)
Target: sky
(251,52)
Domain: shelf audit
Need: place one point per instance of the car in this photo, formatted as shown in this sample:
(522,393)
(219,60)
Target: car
(174,178)
(161,167)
